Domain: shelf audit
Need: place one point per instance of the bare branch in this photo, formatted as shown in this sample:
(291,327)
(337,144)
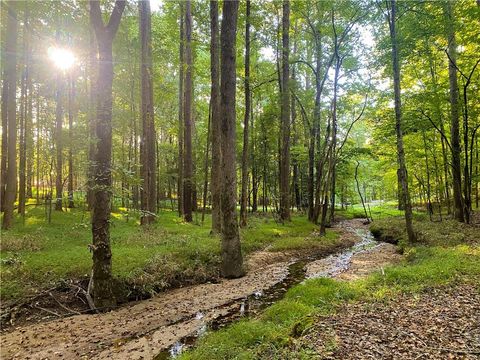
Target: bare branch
(436,128)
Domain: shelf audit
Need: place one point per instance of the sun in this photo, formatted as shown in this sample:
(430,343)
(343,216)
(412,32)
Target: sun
(62,58)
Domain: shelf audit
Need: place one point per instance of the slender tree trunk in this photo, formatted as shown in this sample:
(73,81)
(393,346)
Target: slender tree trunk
(477,165)
(37,118)
(205,169)
(254,167)
(3,174)
(148,161)
(71,115)
(59,140)
(216,119)
(243,201)
(398,124)
(23,119)
(102,256)
(92,140)
(11,83)
(285,117)
(181,82)
(29,153)
(188,160)
(232,261)
(454,113)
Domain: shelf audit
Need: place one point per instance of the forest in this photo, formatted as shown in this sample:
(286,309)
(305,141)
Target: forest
(266,179)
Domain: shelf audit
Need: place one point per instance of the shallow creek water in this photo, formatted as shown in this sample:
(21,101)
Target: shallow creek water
(253,304)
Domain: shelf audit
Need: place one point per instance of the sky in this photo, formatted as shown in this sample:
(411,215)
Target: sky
(155,4)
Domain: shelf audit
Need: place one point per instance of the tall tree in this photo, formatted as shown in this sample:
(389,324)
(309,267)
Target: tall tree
(3,174)
(11,107)
(215,118)
(59,137)
(92,66)
(392,20)
(71,115)
(181,82)
(454,115)
(285,117)
(23,131)
(232,261)
(104,297)
(243,201)
(188,159)
(148,161)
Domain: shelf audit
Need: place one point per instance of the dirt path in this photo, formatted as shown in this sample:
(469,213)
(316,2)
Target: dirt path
(142,330)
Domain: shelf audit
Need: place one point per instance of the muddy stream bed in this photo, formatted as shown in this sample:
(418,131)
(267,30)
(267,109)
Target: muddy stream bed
(298,271)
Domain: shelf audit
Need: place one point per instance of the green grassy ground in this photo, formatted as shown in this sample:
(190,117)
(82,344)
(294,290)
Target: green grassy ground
(448,254)
(377,211)
(37,255)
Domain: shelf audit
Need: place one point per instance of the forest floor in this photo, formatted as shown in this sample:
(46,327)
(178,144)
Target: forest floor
(369,302)
(424,304)
(142,330)
(45,266)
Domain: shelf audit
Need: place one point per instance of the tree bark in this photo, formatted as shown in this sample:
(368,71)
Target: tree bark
(454,116)
(104,297)
(285,118)
(22,118)
(232,261)
(3,171)
(398,122)
(59,141)
(188,159)
(181,82)
(148,161)
(71,115)
(11,83)
(216,121)
(91,120)
(243,201)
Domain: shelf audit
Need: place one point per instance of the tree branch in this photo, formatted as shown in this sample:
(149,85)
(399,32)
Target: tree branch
(114,21)
(436,128)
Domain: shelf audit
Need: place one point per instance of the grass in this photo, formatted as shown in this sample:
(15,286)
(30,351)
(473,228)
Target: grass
(377,211)
(36,255)
(448,254)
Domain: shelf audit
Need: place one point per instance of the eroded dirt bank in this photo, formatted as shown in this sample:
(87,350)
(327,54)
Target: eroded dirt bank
(142,330)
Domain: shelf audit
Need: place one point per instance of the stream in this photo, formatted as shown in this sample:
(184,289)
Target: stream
(256,302)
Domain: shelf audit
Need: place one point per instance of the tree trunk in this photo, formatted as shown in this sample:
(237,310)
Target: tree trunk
(59,141)
(232,261)
(148,161)
(285,118)
(91,120)
(398,123)
(243,201)
(102,256)
(38,131)
(21,133)
(71,112)
(181,82)
(216,121)
(188,159)
(3,174)
(454,113)
(11,83)
(205,169)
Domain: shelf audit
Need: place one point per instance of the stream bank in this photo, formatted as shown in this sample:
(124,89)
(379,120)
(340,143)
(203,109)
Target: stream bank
(146,329)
